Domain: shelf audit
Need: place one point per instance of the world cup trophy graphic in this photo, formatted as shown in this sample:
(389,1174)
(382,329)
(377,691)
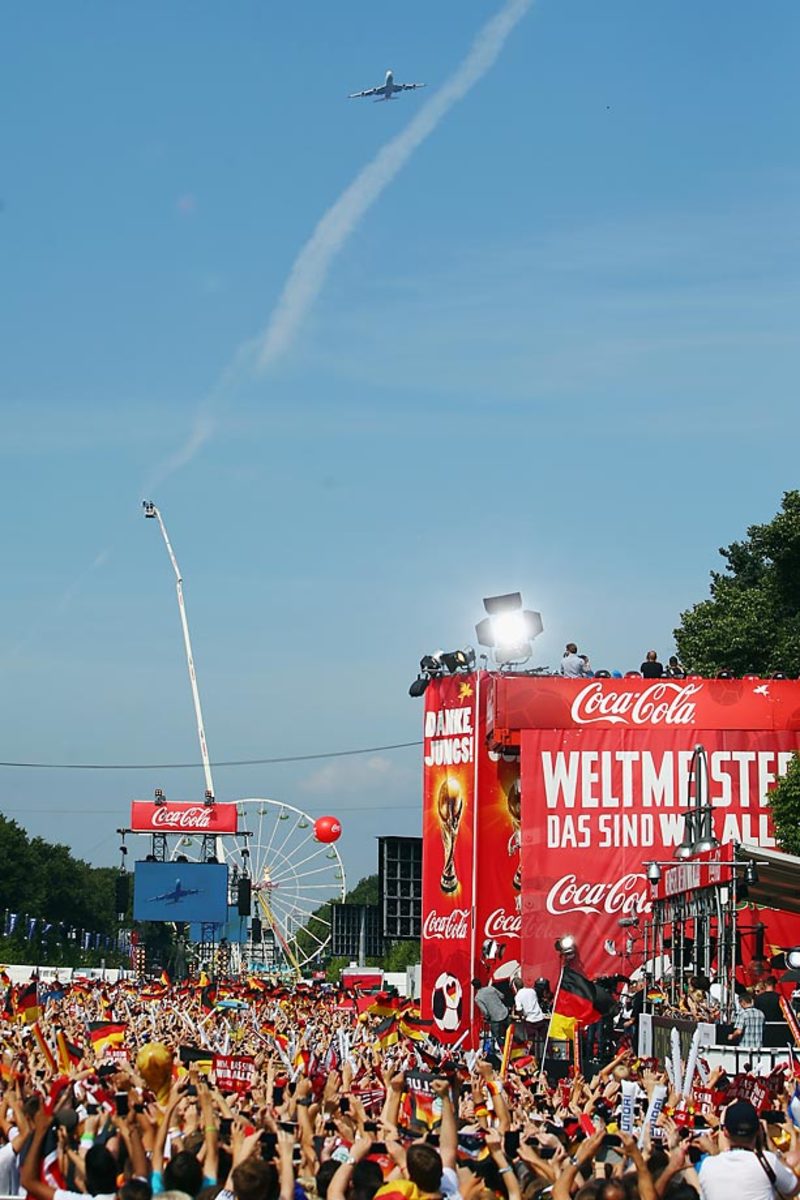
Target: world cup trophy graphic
(450,805)
(514,803)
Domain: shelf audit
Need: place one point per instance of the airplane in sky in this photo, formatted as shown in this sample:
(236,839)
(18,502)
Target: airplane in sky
(387,89)
(174,897)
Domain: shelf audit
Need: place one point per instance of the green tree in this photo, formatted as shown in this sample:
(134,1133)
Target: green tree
(751,622)
(399,955)
(784,800)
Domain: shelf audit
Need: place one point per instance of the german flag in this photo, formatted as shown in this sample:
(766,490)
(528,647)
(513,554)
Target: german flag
(5,978)
(384,1004)
(413,1027)
(27,1003)
(44,1046)
(387,1033)
(579,1003)
(203,980)
(103,1034)
(165,979)
(208,998)
(6,1069)
(69,1055)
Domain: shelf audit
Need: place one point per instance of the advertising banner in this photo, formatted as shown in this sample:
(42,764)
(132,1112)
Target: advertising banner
(171,891)
(599,803)
(497,850)
(182,816)
(518,702)
(448,815)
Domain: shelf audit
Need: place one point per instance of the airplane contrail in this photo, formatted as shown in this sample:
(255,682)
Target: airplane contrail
(312,264)
(310,269)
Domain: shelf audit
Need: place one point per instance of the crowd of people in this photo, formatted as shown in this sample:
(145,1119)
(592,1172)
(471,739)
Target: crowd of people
(256,1090)
(577,666)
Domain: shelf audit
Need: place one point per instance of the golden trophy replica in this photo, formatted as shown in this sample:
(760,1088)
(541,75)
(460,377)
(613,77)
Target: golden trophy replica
(450,803)
(514,802)
(154,1064)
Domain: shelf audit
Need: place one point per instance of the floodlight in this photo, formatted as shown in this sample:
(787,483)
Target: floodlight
(793,958)
(653,873)
(508,629)
(566,946)
(751,877)
(419,685)
(159,798)
(149,508)
(431,663)
(208,799)
(457,660)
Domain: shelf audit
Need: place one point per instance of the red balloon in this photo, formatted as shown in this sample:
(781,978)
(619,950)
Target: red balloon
(327,829)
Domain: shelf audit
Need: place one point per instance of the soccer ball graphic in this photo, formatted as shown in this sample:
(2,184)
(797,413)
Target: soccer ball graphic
(446,998)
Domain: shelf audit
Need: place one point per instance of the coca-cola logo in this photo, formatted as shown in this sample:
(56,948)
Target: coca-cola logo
(626,896)
(667,702)
(451,927)
(196,817)
(502,924)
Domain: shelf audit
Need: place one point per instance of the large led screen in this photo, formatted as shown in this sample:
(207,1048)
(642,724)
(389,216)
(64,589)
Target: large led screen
(170,891)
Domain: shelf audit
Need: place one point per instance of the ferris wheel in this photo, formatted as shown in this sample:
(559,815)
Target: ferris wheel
(295,870)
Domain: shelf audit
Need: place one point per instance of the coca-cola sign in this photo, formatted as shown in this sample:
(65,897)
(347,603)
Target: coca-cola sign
(623,897)
(450,927)
(182,816)
(667,702)
(502,924)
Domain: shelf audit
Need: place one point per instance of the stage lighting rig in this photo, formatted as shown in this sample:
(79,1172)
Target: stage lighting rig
(566,946)
(442,662)
(508,628)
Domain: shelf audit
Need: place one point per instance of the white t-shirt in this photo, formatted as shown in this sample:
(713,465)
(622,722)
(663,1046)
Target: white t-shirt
(527,1003)
(9,1170)
(449,1185)
(739,1173)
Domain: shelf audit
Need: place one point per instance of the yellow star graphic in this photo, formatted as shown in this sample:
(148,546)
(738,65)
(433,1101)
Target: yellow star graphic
(465,691)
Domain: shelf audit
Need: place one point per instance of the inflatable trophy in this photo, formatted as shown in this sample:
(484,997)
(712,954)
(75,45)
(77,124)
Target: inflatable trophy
(450,805)
(154,1064)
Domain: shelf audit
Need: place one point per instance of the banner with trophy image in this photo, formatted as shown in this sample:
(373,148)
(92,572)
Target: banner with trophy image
(448,816)
(498,888)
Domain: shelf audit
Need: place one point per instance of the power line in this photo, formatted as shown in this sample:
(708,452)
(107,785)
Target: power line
(232,762)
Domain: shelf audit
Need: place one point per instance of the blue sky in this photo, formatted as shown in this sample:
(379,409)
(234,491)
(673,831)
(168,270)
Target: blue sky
(559,354)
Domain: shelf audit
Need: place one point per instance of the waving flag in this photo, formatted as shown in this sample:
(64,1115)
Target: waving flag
(27,1003)
(69,1055)
(44,1046)
(103,1034)
(579,1002)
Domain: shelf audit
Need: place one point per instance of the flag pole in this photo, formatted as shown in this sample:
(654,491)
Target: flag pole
(552,1015)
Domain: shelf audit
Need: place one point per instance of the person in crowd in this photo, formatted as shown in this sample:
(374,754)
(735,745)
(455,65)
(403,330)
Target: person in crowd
(574,665)
(651,668)
(675,669)
(739,1164)
(493,1009)
(776,1031)
(748,1030)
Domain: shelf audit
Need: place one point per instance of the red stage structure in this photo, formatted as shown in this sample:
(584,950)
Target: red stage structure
(544,799)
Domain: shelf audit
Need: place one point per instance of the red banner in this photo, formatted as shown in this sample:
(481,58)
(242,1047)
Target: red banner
(182,816)
(599,803)
(233,1072)
(519,702)
(448,814)
(498,888)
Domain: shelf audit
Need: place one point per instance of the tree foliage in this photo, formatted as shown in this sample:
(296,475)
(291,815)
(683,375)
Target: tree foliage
(42,879)
(784,800)
(751,622)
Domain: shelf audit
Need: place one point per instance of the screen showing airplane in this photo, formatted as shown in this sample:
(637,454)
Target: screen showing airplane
(173,891)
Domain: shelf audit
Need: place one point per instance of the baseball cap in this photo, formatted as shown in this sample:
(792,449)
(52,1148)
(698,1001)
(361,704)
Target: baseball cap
(741,1119)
